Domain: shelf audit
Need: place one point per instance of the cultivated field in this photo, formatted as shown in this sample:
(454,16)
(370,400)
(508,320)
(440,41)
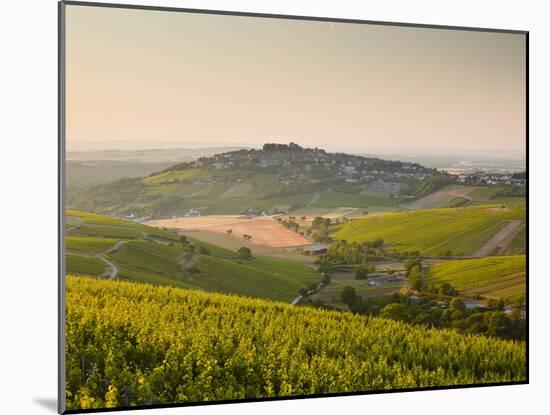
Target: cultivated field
(264,230)
(85,265)
(433,231)
(441,197)
(331,293)
(101,245)
(237,190)
(363,200)
(331,213)
(158,343)
(498,277)
(501,239)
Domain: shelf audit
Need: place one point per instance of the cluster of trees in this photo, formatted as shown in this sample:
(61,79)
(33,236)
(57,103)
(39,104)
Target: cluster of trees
(415,274)
(520,175)
(290,223)
(244,252)
(292,146)
(434,312)
(363,271)
(343,252)
(319,230)
(320,223)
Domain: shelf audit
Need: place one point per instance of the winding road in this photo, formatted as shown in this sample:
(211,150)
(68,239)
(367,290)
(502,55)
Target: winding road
(114,269)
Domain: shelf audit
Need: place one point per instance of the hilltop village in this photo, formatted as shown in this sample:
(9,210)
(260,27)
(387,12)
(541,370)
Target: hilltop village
(297,165)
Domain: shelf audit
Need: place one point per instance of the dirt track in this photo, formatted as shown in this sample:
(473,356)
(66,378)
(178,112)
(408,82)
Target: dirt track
(114,269)
(440,197)
(496,241)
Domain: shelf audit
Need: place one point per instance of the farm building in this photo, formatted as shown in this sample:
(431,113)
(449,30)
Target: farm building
(316,249)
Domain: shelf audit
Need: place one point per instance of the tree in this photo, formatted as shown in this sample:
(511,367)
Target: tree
(446,289)
(415,278)
(457,305)
(245,252)
(361,273)
(475,323)
(348,296)
(378,243)
(410,263)
(395,312)
(203,250)
(496,323)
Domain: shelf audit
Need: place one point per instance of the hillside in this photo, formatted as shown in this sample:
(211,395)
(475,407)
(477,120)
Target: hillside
(109,247)
(135,344)
(462,231)
(275,178)
(497,277)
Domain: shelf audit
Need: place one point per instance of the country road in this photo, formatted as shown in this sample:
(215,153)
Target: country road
(114,269)
(299,298)
(508,231)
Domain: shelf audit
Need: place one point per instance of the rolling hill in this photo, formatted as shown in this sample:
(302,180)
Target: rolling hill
(96,244)
(433,232)
(496,277)
(280,178)
(136,344)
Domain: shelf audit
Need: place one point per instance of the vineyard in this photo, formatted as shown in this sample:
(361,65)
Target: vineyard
(433,231)
(157,256)
(136,344)
(499,276)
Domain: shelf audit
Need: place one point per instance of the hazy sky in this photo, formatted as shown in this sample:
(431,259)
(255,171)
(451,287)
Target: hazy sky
(135,75)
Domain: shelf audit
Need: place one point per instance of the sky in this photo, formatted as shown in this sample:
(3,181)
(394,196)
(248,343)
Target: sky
(155,76)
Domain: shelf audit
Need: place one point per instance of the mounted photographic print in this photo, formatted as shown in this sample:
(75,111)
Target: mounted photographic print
(258,207)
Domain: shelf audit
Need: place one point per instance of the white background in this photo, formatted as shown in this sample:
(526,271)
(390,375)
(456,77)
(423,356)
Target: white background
(28,160)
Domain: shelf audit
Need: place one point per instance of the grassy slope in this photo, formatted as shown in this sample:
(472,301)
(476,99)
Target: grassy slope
(340,199)
(517,245)
(272,278)
(171,345)
(101,225)
(156,256)
(431,231)
(89,244)
(266,277)
(171,191)
(173,175)
(79,264)
(501,276)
